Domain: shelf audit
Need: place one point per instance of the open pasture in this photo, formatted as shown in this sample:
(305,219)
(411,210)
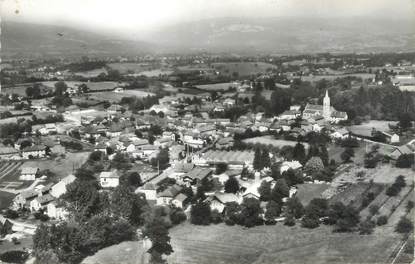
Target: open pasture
(243,68)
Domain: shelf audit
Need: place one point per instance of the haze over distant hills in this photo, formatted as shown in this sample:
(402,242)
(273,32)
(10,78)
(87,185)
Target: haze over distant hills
(241,35)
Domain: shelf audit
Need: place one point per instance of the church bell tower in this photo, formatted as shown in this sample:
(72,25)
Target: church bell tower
(326,106)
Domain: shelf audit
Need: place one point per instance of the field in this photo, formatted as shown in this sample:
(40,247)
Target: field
(243,68)
(6,199)
(277,244)
(129,252)
(130,67)
(316,78)
(270,140)
(153,73)
(91,73)
(335,151)
(62,167)
(50,85)
(116,97)
(308,191)
(216,86)
(366,128)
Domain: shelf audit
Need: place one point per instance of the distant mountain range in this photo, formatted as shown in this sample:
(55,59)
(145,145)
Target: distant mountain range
(238,35)
(39,39)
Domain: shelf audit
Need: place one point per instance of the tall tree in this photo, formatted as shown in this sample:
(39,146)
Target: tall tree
(257,160)
(156,230)
(232,185)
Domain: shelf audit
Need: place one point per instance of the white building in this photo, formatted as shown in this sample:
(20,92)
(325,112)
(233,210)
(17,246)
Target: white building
(109,179)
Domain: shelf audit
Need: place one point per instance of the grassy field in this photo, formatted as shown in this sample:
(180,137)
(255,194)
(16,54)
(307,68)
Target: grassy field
(116,97)
(243,68)
(62,167)
(308,191)
(316,78)
(216,86)
(129,252)
(129,66)
(270,140)
(366,128)
(277,244)
(6,200)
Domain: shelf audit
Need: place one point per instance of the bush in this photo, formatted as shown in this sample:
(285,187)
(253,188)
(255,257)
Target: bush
(177,216)
(382,220)
(216,217)
(373,209)
(393,190)
(289,220)
(310,222)
(366,227)
(404,226)
(12,214)
(14,256)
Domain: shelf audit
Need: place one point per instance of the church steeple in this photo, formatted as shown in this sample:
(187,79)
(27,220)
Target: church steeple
(326,106)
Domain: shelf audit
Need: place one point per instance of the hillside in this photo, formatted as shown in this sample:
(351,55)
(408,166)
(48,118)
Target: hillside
(36,39)
(289,35)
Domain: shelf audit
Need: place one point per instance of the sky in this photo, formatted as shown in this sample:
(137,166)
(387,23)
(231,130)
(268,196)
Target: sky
(144,15)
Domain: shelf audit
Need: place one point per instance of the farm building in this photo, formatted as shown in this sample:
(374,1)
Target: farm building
(179,200)
(36,151)
(29,173)
(149,190)
(56,211)
(218,200)
(40,202)
(60,188)
(195,176)
(165,197)
(234,159)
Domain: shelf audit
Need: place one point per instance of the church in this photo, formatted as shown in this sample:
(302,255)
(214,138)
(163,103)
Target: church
(325,111)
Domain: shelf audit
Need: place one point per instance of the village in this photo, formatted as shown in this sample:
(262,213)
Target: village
(280,149)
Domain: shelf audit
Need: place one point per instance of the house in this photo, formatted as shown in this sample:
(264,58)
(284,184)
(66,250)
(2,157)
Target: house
(60,187)
(146,151)
(392,138)
(109,179)
(29,173)
(163,142)
(218,200)
(149,190)
(101,147)
(196,175)
(404,149)
(24,198)
(136,145)
(180,169)
(9,153)
(234,159)
(179,200)
(289,115)
(341,133)
(40,202)
(35,151)
(56,211)
(165,197)
(48,129)
(286,165)
(225,143)
(114,109)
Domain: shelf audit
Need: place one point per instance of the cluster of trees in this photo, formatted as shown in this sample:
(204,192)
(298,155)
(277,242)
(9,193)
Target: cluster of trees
(345,218)
(15,130)
(261,159)
(99,219)
(136,104)
(397,186)
(381,103)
